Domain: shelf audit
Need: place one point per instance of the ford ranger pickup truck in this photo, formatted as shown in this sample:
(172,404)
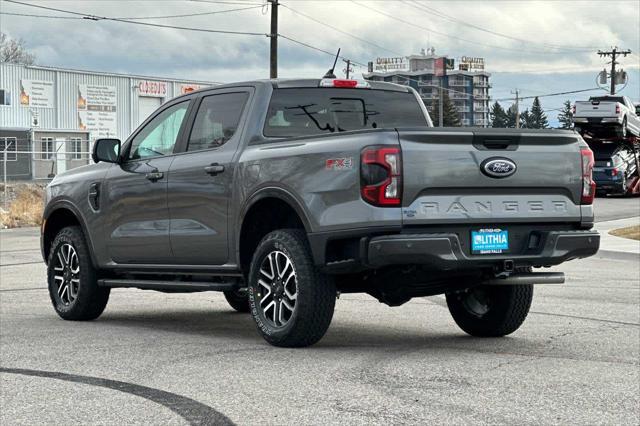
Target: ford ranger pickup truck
(285,193)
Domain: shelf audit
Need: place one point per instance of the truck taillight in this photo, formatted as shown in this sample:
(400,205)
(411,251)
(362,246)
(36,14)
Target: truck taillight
(614,171)
(573,108)
(381,176)
(617,109)
(588,185)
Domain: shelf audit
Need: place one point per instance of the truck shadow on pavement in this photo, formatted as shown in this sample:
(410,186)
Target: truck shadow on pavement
(351,336)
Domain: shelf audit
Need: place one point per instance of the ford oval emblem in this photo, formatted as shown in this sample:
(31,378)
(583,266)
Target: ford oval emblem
(498,167)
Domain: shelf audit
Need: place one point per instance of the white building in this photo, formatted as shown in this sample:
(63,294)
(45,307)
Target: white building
(49,116)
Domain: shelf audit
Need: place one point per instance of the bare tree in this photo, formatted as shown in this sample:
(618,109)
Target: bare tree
(14,51)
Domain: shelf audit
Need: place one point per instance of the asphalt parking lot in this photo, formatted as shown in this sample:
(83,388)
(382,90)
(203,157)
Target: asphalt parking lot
(155,358)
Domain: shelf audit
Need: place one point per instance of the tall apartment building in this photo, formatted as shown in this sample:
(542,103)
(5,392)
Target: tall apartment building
(467,85)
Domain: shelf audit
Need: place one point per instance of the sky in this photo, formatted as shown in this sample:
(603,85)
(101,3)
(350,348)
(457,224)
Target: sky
(538,47)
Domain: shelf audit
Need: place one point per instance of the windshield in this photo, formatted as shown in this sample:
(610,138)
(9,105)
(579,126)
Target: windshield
(312,111)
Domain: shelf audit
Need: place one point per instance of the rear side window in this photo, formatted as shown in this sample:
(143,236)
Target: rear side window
(217,120)
(312,111)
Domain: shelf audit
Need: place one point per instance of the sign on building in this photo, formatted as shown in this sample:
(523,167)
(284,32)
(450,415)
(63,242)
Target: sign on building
(36,93)
(391,64)
(468,63)
(188,88)
(97,110)
(156,89)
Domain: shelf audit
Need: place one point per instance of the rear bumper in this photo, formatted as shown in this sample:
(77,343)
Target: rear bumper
(444,251)
(598,120)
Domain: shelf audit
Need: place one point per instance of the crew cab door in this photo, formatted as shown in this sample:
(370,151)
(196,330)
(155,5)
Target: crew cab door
(201,179)
(136,215)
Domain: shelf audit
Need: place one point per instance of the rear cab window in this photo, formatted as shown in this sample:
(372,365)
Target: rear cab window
(297,112)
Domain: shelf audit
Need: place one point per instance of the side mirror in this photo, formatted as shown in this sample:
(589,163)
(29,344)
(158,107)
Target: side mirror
(107,150)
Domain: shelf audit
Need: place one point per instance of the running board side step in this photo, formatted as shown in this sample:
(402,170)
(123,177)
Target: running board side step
(526,279)
(173,286)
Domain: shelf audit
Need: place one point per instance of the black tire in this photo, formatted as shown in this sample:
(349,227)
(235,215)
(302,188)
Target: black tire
(82,300)
(490,311)
(623,131)
(238,300)
(315,292)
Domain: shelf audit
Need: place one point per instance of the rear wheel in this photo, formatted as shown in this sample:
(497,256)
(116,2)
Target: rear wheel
(623,131)
(72,279)
(291,301)
(490,311)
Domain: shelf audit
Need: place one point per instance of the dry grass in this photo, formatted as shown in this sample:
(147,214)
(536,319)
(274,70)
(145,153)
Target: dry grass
(25,209)
(632,232)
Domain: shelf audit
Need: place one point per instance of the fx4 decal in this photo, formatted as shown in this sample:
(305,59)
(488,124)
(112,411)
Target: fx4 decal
(339,163)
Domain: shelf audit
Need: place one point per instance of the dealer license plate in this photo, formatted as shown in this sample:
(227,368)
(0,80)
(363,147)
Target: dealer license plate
(489,241)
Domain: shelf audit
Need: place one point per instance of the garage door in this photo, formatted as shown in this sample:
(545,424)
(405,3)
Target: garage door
(146,106)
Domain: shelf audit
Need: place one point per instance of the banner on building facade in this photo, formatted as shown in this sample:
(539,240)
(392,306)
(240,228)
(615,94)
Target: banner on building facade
(97,110)
(36,93)
(156,89)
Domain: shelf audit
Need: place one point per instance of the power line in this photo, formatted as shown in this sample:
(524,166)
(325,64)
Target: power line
(339,30)
(135,17)
(445,34)
(427,9)
(149,24)
(550,94)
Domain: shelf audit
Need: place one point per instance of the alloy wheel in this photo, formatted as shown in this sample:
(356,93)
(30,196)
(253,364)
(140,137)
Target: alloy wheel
(66,273)
(277,288)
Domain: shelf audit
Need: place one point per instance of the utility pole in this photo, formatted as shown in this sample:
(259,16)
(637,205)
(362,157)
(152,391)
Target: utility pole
(613,53)
(273,53)
(348,69)
(517,93)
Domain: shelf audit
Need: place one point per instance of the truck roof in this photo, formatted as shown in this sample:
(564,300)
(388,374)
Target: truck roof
(292,83)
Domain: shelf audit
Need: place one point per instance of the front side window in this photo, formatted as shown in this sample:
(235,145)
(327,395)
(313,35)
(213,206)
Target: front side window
(217,120)
(304,112)
(46,148)
(159,136)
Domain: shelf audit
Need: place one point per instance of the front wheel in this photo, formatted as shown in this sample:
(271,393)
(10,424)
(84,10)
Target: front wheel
(291,301)
(490,311)
(73,281)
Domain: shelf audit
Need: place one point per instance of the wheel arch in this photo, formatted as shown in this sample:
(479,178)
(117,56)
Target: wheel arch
(58,216)
(286,212)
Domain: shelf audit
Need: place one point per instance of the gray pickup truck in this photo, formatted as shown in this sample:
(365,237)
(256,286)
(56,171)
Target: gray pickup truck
(285,193)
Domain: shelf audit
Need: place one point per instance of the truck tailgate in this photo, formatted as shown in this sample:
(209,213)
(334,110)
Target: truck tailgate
(445,180)
(595,109)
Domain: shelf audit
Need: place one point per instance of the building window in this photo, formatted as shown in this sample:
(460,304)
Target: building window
(76,148)
(10,146)
(5,97)
(46,148)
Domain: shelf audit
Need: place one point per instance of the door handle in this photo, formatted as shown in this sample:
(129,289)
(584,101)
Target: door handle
(154,176)
(214,169)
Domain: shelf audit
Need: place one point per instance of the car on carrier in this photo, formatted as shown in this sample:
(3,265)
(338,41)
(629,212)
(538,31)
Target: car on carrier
(607,116)
(284,193)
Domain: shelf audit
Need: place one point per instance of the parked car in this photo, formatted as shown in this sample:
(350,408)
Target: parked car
(615,167)
(607,116)
(282,193)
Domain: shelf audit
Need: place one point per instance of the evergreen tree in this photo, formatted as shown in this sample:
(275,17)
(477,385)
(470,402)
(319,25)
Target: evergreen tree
(511,116)
(498,116)
(450,114)
(565,116)
(527,120)
(538,117)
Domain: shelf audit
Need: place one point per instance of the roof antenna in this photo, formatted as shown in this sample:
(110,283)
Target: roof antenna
(330,73)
